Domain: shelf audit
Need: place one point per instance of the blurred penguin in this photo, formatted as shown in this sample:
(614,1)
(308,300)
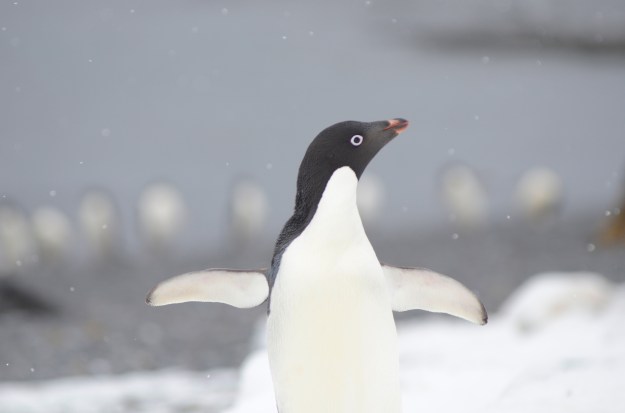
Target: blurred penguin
(613,229)
(539,194)
(53,233)
(371,197)
(100,223)
(161,215)
(17,247)
(464,195)
(248,209)
(17,254)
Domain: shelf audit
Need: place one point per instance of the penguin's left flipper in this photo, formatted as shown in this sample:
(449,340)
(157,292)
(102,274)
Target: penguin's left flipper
(422,289)
(238,288)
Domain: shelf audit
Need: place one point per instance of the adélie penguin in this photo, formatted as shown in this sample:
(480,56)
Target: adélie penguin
(331,336)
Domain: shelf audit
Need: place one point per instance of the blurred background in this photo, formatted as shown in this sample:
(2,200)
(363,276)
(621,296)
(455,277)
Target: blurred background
(144,139)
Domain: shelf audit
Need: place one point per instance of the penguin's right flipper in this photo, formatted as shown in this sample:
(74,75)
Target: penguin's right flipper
(238,288)
(422,289)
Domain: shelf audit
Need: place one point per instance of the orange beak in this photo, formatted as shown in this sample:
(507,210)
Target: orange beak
(398,125)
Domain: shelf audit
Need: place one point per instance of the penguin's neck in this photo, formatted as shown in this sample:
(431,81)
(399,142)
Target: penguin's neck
(335,189)
(336,221)
(339,194)
(311,183)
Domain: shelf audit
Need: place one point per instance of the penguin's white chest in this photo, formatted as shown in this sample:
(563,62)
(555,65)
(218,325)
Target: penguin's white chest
(331,335)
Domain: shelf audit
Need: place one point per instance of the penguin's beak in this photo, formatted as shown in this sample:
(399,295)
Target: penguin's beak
(386,130)
(398,125)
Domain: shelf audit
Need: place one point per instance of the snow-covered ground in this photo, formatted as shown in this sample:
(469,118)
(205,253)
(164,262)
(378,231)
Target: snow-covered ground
(156,392)
(556,345)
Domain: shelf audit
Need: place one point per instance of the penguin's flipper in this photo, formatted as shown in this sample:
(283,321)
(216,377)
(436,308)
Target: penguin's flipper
(238,288)
(422,289)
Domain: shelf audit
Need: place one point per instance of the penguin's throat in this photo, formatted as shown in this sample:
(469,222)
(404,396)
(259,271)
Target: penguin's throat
(340,191)
(331,204)
(337,193)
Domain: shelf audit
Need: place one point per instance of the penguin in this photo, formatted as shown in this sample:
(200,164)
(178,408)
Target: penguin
(18,256)
(17,245)
(247,212)
(99,220)
(331,336)
(539,194)
(465,196)
(54,234)
(612,230)
(161,214)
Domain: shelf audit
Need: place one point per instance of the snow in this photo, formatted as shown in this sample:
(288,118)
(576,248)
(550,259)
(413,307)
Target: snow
(574,363)
(557,345)
(156,392)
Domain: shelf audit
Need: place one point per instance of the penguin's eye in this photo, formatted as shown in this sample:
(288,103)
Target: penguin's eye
(356,140)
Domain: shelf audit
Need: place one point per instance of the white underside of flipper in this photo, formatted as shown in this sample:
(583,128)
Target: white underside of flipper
(242,289)
(331,335)
(422,289)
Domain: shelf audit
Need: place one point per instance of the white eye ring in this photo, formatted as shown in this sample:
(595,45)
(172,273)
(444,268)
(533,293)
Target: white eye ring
(356,140)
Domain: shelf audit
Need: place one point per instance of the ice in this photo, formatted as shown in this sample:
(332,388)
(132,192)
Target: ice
(557,345)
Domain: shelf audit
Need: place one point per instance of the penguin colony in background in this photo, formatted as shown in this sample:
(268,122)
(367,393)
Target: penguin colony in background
(49,237)
(332,340)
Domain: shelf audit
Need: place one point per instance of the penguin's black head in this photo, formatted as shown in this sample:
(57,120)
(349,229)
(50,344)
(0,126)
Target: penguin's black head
(350,143)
